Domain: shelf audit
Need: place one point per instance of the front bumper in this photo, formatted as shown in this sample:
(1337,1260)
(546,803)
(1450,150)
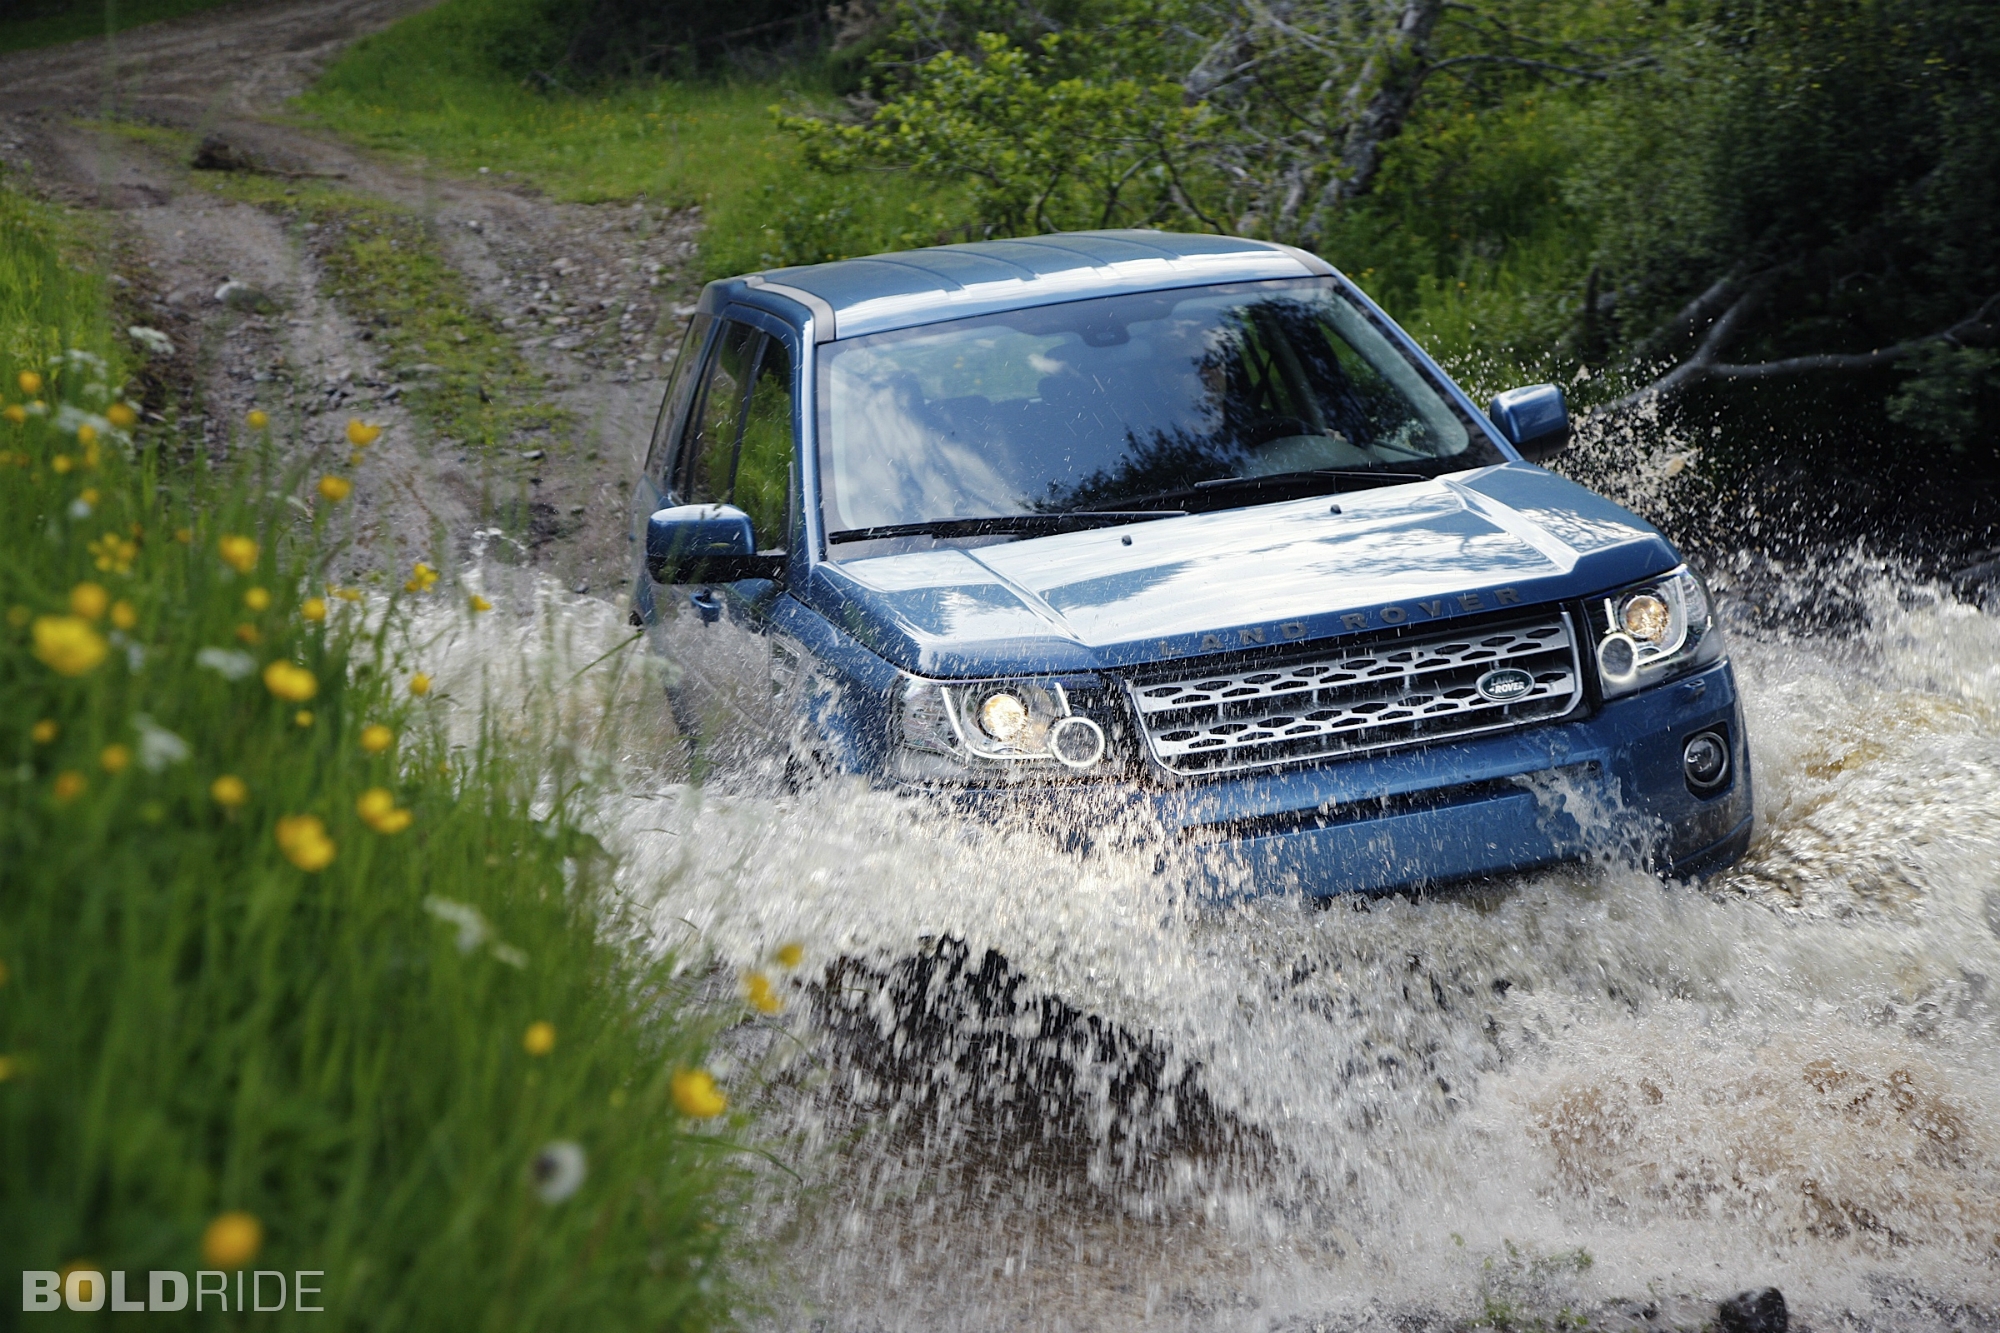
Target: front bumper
(1606,785)
(1609,784)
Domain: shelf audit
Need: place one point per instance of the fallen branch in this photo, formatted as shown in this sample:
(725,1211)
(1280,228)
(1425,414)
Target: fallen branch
(1704,366)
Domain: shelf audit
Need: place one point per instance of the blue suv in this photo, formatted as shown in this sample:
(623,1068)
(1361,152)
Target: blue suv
(1185,527)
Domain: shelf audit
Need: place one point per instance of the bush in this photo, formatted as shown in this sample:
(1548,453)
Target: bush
(285,978)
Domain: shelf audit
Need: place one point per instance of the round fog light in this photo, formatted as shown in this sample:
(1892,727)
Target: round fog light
(1705,761)
(1076,742)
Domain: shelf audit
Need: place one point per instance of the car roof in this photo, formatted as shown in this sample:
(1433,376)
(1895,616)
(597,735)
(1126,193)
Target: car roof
(849,297)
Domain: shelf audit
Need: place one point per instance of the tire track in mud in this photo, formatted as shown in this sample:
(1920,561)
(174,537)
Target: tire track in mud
(587,294)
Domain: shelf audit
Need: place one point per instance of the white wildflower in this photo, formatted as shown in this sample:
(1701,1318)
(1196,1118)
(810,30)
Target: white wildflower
(558,1171)
(232,663)
(472,928)
(158,747)
(153,341)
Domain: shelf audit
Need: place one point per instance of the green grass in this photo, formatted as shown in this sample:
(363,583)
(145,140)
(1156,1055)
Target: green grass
(53,21)
(195,1020)
(429,87)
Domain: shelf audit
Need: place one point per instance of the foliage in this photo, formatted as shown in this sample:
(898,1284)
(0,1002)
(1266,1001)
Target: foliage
(1039,155)
(269,943)
(1542,189)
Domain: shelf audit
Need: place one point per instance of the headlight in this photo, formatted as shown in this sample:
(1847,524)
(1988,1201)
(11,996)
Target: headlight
(996,728)
(1652,632)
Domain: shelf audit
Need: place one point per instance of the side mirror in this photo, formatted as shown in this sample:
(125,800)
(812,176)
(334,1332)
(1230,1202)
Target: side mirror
(1534,419)
(705,544)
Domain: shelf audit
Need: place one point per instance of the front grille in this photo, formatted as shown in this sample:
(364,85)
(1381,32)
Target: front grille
(1358,699)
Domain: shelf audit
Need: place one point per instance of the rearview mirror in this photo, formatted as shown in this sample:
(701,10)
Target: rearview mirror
(705,544)
(1534,419)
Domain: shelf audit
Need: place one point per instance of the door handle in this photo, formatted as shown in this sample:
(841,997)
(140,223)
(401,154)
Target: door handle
(707,604)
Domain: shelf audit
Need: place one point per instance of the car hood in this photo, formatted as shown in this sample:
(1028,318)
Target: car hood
(1463,545)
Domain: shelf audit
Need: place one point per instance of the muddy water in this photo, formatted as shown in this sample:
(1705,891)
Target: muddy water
(1573,1089)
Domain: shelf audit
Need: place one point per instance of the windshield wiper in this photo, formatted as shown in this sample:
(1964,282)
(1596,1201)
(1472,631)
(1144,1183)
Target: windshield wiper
(1020,525)
(1312,481)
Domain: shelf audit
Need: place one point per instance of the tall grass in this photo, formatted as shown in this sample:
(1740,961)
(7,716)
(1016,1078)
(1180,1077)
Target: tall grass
(435,86)
(272,949)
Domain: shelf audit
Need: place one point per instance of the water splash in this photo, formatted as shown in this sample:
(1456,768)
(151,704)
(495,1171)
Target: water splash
(1034,1088)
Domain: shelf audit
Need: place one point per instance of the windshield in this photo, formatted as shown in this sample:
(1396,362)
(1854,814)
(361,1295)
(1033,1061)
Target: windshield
(1124,403)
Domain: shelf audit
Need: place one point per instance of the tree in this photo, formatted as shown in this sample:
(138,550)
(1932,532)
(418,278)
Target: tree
(1263,119)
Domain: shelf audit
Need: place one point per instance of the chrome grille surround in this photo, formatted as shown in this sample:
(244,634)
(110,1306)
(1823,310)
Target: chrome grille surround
(1359,698)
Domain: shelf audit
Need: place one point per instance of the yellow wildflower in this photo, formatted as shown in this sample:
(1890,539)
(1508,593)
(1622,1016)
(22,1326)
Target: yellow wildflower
(115,758)
(239,553)
(376,738)
(86,435)
(377,808)
(44,731)
(302,719)
(232,1240)
(313,609)
(121,416)
(229,791)
(30,382)
(303,840)
(248,634)
(790,953)
(112,553)
(293,684)
(696,1095)
(762,998)
(360,434)
(62,463)
(89,600)
(68,645)
(422,576)
(257,419)
(334,489)
(257,599)
(348,594)
(420,684)
(16,413)
(92,455)
(540,1038)
(185,536)
(70,784)
(480,603)
(124,615)
(90,496)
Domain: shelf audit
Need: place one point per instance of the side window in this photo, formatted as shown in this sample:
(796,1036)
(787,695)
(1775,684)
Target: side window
(708,457)
(673,406)
(764,464)
(738,446)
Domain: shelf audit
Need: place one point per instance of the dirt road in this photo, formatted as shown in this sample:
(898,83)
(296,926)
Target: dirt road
(588,293)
